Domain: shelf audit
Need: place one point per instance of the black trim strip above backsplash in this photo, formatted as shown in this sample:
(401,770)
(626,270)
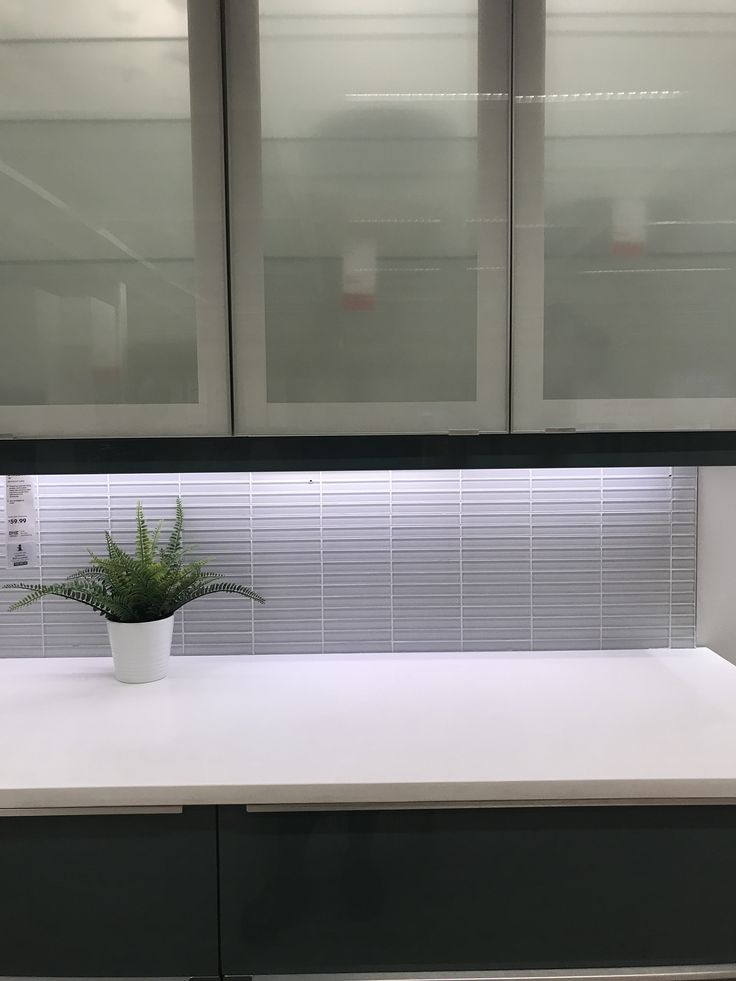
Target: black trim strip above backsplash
(292,453)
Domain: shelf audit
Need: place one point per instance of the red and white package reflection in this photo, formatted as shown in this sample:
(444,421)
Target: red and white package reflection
(629,226)
(359,276)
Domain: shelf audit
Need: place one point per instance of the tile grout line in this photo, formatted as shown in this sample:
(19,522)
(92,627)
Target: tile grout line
(321,567)
(601,561)
(252,563)
(182,613)
(391,553)
(672,545)
(531,559)
(109,509)
(109,503)
(39,540)
(462,576)
(694,565)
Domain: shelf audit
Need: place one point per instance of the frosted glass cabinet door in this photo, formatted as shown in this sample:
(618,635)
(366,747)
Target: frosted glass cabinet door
(625,215)
(368,169)
(112,294)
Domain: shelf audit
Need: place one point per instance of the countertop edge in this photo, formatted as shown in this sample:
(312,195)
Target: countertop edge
(382,796)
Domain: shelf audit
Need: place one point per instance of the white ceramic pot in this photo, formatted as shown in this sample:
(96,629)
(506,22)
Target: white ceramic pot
(140,651)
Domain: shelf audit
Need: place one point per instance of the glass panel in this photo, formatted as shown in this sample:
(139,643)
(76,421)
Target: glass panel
(373,225)
(639,215)
(98,286)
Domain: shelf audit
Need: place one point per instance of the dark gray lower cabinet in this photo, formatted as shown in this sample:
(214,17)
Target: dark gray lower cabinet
(373,891)
(127,895)
(477,889)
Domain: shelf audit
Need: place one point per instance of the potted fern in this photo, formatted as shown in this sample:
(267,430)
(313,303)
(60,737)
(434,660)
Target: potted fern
(138,595)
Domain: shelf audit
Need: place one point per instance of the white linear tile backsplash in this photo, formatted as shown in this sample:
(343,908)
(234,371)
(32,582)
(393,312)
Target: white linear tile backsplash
(404,560)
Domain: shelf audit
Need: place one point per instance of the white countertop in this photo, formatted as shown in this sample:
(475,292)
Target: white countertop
(371,729)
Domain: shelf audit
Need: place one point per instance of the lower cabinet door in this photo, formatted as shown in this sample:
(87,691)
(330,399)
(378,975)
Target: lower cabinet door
(386,891)
(113,895)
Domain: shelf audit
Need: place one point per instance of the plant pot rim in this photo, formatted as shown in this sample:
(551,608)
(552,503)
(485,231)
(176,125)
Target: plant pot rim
(137,623)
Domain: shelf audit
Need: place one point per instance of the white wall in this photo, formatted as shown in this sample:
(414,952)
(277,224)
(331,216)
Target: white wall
(716,613)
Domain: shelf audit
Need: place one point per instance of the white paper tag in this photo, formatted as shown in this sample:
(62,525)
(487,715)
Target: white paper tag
(20,518)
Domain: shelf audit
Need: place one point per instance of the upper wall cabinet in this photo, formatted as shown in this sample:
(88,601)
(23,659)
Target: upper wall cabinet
(112,294)
(369,204)
(625,215)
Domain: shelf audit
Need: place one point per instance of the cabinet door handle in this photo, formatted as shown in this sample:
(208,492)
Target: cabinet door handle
(705,972)
(82,811)
(458,805)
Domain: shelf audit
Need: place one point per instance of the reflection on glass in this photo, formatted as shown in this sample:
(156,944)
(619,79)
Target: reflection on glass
(96,218)
(640,201)
(370,183)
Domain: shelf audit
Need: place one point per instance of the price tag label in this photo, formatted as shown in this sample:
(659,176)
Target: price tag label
(20,517)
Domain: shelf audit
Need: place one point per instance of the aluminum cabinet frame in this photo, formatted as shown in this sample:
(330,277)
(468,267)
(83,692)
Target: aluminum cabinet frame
(254,413)
(211,413)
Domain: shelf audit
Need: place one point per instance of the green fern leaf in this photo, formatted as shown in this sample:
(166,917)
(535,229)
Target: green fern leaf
(91,572)
(156,536)
(113,549)
(207,589)
(95,599)
(144,545)
(148,585)
(172,553)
